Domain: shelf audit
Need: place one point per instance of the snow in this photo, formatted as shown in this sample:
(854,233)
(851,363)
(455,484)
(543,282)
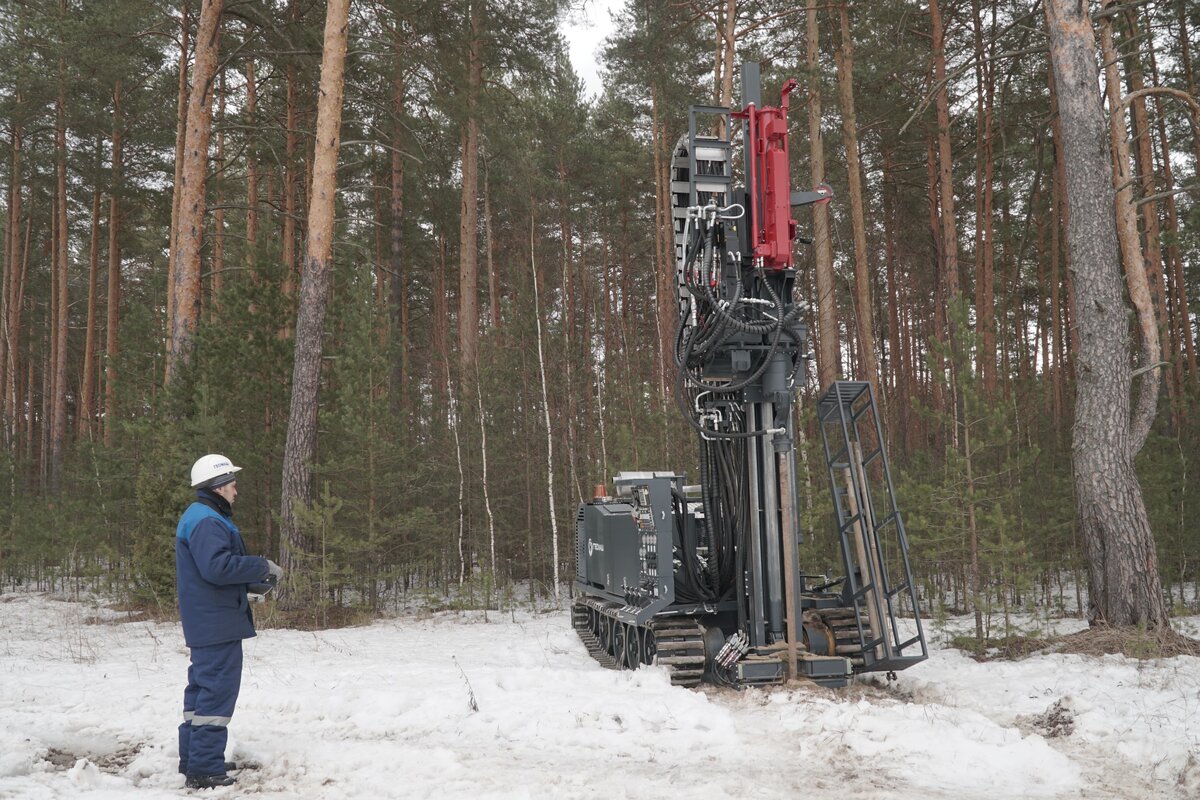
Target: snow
(89,704)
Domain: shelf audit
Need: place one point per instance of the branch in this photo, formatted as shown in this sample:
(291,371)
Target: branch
(1148,367)
(1167,193)
(1113,10)
(1176,93)
(970,62)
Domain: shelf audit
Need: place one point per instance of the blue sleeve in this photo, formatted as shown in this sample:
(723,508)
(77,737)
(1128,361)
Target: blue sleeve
(211,550)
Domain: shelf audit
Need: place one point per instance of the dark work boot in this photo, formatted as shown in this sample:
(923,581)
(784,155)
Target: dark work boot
(208,781)
(229,767)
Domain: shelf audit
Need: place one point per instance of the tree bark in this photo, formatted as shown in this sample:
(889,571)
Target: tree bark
(398,282)
(113,301)
(487,500)
(898,362)
(1182,320)
(862,269)
(537,313)
(12,311)
(468,231)
(568,320)
(938,316)
(984,245)
(251,168)
(1060,219)
(58,411)
(726,25)
(291,153)
(945,160)
(493,266)
(181,108)
(300,446)
(828,366)
(192,202)
(664,309)
(217,265)
(1153,256)
(1189,78)
(1132,259)
(85,417)
(1124,587)
(14,326)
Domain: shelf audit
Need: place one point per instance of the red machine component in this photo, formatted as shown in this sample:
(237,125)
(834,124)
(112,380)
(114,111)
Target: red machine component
(771,224)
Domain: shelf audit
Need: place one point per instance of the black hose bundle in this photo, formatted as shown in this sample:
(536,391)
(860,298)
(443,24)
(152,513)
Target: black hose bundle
(710,327)
(715,322)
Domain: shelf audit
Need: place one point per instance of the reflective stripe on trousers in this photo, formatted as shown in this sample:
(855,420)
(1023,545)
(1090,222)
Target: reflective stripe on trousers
(190,716)
(220,722)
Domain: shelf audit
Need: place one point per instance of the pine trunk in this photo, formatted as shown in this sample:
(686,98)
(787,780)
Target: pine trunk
(664,309)
(945,159)
(1189,80)
(14,325)
(58,411)
(87,392)
(493,266)
(12,311)
(1060,256)
(301,444)
(537,313)
(217,265)
(1123,575)
(1181,317)
(828,365)
(862,270)
(984,254)
(1153,256)
(1131,246)
(468,231)
(181,108)
(291,157)
(185,288)
(938,316)
(113,304)
(251,169)
(398,288)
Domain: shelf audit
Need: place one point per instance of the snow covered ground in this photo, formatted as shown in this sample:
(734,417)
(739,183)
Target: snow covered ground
(89,711)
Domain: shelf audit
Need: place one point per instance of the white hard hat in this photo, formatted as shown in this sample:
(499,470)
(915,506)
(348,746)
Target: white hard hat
(212,470)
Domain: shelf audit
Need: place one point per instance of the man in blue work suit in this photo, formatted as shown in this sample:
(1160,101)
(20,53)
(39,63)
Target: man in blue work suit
(212,572)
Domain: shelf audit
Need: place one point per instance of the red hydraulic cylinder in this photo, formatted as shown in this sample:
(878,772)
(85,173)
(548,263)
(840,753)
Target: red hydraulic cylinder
(771,223)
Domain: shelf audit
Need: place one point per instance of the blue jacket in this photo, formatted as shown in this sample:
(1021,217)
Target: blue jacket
(211,573)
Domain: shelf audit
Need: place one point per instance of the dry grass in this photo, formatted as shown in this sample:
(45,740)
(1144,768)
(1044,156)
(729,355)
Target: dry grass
(266,615)
(112,763)
(1095,641)
(272,615)
(135,611)
(1000,648)
(1130,642)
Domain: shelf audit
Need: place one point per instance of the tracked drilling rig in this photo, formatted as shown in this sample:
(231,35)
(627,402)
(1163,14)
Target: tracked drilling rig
(706,579)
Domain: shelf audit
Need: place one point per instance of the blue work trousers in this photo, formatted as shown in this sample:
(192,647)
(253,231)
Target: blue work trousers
(214,679)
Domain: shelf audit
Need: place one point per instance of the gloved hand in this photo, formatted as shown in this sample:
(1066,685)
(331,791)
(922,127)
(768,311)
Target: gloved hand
(274,573)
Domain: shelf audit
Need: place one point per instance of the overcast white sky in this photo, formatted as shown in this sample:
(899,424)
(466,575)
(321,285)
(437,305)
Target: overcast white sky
(585,29)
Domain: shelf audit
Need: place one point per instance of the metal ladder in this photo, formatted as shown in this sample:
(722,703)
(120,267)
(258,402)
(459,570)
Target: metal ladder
(870,529)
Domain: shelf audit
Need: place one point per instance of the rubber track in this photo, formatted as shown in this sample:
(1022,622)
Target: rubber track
(579,619)
(679,642)
(847,642)
(680,645)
